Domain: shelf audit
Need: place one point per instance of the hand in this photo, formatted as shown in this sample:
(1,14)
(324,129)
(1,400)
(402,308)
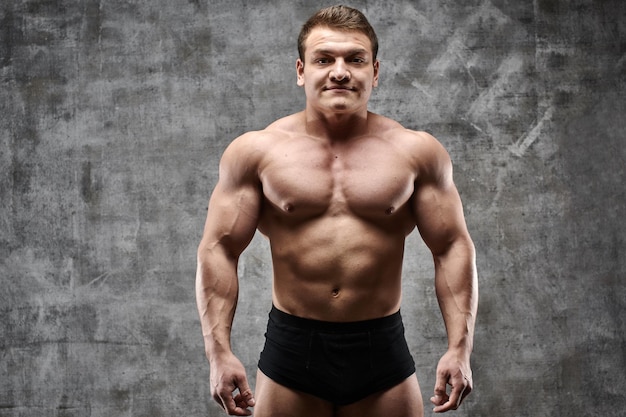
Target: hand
(229,386)
(454,371)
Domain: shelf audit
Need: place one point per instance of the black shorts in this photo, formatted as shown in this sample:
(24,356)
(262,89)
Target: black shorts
(339,362)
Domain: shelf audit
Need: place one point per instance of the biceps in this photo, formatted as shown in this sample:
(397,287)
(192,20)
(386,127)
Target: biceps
(439,216)
(232,219)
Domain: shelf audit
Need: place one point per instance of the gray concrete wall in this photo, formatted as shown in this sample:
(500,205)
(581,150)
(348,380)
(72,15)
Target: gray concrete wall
(113,115)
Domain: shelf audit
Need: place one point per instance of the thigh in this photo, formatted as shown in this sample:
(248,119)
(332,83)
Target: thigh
(402,400)
(275,400)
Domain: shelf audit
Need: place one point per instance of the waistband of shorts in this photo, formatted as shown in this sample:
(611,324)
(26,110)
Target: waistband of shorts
(279,316)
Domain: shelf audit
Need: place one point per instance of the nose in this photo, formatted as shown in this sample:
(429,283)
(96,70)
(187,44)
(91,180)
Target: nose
(340,71)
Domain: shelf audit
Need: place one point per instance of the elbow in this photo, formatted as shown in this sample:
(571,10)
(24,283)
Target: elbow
(460,245)
(209,251)
(214,259)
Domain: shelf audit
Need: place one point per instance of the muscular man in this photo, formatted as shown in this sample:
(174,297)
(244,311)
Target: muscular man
(336,189)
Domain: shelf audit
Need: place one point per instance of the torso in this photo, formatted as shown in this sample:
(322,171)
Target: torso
(337,214)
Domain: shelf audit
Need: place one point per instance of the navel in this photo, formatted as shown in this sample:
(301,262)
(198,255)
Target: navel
(335,292)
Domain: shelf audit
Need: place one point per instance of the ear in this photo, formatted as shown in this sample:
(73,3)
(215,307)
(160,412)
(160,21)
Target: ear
(300,72)
(376,69)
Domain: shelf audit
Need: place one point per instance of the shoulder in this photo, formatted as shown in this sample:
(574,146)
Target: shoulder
(421,146)
(246,153)
(433,161)
(288,124)
(424,143)
(253,145)
(243,148)
(426,153)
(390,128)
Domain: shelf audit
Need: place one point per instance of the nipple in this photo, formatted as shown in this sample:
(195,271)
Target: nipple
(390,210)
(289,208)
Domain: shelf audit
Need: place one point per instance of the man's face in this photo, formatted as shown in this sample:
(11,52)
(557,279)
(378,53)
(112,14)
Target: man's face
(339,71)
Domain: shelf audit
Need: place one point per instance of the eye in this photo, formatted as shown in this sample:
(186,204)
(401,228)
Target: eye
(322,61)
(358,60)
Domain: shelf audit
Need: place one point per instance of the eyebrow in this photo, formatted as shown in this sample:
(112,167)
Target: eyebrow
(355,51)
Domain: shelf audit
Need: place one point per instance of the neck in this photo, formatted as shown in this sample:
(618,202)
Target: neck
(336,126)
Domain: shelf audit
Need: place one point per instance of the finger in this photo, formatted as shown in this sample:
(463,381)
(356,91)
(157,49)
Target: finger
(218,399)
(450,404)
(467,390)
(456,395)
(224,397)
(244,400)
(245,393)
(444,407)
(440,394)
(226,400)
(438,399)
(232,408)
(239,411)
(454,400)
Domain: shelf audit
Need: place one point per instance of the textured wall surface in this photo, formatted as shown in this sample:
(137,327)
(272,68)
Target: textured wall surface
(113,116)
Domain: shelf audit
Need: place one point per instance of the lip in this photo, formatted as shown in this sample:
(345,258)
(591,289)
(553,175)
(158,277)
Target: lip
(338,88)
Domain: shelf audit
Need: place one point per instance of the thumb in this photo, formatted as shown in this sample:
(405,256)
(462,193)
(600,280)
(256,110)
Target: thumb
(441,396)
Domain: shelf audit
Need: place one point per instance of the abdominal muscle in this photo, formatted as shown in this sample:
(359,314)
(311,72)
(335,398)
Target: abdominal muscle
(336,269)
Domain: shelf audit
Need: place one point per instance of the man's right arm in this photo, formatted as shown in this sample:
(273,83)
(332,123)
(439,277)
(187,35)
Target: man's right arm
(231,222)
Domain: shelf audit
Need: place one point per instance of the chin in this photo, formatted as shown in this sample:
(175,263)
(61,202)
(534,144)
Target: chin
(342,105)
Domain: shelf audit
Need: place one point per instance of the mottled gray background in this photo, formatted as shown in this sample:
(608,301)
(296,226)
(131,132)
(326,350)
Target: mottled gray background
(113,115)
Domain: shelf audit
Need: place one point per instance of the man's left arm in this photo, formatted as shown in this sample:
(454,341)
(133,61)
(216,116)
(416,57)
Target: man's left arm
(441,223)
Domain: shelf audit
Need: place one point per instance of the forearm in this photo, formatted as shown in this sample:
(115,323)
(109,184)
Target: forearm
(457,293)
(217,291)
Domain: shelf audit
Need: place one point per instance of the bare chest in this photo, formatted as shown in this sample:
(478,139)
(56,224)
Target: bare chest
(368,179)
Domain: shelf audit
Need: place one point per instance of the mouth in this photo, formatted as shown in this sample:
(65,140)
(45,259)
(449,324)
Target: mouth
(338,88)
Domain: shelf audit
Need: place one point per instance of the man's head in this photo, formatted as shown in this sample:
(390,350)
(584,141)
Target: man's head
(342,18)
